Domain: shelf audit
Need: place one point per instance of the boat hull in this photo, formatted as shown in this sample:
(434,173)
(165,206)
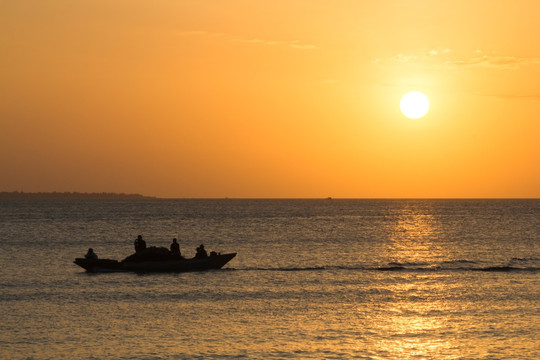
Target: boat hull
(180,265)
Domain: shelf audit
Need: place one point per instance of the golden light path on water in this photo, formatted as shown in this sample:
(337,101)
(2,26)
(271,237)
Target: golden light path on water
(406,327)
(412,237)
(425,316)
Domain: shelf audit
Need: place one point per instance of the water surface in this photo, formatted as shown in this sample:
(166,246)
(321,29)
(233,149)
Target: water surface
(313,279)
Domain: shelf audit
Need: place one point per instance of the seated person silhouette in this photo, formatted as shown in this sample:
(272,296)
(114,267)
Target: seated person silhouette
(91,255)
(201,252)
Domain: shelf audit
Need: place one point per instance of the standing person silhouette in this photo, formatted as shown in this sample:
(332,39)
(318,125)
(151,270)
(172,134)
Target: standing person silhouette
(175,248)
(140,244)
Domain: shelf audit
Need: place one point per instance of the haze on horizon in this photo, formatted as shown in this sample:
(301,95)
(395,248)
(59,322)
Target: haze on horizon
(268,99)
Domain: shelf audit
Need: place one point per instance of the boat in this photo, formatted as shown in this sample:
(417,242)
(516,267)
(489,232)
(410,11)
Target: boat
(214,261)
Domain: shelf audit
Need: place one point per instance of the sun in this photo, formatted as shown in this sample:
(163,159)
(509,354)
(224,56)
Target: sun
(414,105)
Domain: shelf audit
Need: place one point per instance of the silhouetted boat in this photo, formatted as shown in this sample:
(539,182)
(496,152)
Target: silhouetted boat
(214,261)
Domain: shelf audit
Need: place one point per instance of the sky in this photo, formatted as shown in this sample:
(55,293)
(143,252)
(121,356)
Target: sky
(270,99)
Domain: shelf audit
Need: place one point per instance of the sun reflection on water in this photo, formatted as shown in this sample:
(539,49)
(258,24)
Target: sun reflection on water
(412,235)
(409,324)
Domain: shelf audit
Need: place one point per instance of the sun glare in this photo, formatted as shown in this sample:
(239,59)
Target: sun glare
(414,104)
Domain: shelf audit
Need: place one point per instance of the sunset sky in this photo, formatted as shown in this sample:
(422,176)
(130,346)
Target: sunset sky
(292,98)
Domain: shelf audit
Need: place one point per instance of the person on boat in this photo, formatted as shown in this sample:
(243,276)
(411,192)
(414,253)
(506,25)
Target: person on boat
(201,252)
(140,244)
(91,255)
(175,248)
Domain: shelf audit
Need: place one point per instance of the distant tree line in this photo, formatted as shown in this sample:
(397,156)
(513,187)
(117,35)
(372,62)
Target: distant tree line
(68,195)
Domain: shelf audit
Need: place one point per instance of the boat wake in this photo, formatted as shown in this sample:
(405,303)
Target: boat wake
(528,265)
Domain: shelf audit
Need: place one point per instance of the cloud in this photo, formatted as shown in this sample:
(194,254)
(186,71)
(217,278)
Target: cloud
(497,62)
(295,44)
(443,57)
(404,58)
(413,58)
(435,52)
(251,41)
(192,33)
(515,97)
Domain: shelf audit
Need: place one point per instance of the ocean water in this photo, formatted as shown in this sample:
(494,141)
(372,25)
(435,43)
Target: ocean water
(313,279)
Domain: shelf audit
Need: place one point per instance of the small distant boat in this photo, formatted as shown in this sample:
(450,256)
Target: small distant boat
(214,261)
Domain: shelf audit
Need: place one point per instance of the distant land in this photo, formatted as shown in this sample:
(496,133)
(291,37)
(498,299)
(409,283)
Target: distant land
(69,195)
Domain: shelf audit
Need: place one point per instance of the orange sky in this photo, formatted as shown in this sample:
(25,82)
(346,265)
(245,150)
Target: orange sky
(292,98)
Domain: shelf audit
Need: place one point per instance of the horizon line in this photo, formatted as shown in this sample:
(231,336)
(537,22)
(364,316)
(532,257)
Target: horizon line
(146,197)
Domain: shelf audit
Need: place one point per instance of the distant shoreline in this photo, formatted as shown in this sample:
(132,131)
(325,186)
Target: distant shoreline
(69,195)
(14,195)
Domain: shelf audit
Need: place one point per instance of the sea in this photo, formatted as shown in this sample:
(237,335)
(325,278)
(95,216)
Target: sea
(312,279)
